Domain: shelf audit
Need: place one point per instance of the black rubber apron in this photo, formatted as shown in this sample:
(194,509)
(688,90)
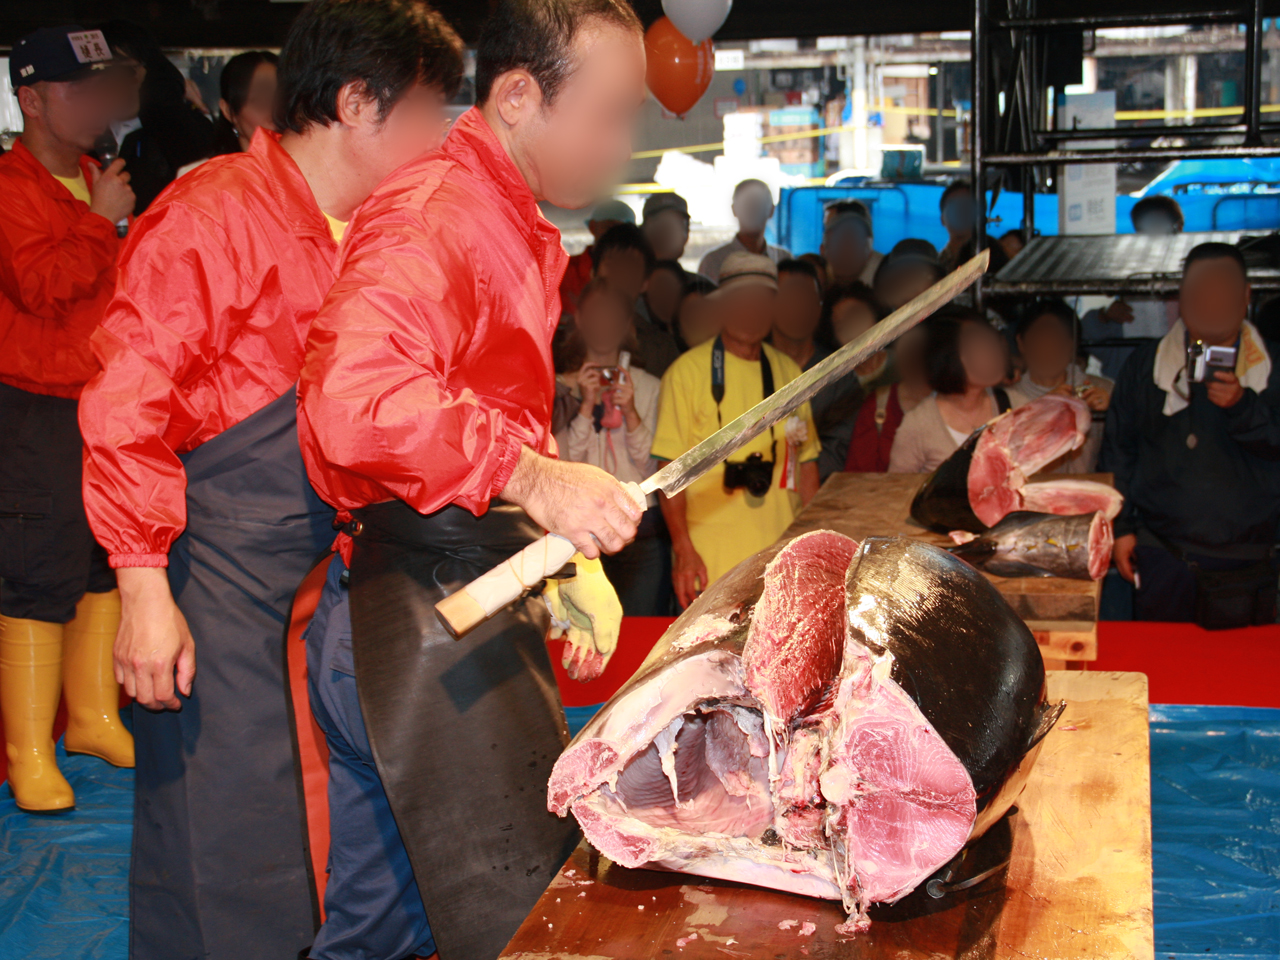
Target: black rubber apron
(219,859)
(464,732)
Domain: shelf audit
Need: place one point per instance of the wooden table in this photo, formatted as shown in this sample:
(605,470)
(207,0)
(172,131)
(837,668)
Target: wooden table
(1078,884)
(1063,614)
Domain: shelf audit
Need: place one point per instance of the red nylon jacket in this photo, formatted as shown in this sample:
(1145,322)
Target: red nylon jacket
(219,281)
(429,366)
(57,272)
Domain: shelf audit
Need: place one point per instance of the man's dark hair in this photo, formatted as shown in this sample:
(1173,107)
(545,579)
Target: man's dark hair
(914,245)
(697,283)
(537,36)
(944,369)
(1054,307)
(1215,251)
(796,265)
(237,76)
(955,186)
(1158,204)
(857,290)
(623,236)
(851,205)
(672,267)
(848,208)
(385,45)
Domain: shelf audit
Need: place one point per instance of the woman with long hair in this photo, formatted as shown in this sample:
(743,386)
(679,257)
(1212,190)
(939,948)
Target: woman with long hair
(966,360)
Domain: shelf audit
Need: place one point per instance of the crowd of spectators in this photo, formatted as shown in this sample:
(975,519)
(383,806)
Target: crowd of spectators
(652,358)
(754,317)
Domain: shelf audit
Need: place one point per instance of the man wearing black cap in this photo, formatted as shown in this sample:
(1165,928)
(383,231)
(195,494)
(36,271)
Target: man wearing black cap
(666,225)
(58,243)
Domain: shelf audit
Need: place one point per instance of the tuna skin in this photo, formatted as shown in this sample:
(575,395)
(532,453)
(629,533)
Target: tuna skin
(1027,544)
(788,732)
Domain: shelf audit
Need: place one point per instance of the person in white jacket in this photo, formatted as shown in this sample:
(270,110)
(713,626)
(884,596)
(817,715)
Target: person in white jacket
(617,408)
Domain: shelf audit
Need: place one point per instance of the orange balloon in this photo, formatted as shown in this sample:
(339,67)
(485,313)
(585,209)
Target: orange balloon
(679,70)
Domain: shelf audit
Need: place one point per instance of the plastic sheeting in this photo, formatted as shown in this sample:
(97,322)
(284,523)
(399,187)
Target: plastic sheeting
(1215,811)
(1215,791)
(64,876)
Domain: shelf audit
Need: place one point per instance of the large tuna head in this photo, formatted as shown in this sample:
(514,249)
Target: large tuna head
(986,478)
(830,720)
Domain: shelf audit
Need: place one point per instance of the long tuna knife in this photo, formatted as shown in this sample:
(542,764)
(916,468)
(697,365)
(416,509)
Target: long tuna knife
(486,595)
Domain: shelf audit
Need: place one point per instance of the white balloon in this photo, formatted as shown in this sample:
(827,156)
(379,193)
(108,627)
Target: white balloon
(697,19)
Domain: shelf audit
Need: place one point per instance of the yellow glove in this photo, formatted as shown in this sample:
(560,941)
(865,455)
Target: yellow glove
(585,611)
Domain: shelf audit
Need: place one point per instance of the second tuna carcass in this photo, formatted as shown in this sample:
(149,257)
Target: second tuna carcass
(986,478)
(1026,544)
(828,719)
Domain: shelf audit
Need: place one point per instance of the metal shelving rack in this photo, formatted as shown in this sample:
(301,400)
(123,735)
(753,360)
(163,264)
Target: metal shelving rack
(1018,137)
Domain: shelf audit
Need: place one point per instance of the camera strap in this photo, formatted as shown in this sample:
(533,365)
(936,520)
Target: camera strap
(717,376)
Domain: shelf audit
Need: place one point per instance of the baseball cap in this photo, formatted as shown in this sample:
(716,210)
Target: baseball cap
(612,210)
(58,54)
(658,202)
(741,269)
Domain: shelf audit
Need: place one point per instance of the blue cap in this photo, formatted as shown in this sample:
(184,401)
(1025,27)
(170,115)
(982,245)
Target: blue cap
(58,54)
(612,210)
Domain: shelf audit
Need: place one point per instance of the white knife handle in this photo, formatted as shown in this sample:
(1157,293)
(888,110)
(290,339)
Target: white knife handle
(484,596)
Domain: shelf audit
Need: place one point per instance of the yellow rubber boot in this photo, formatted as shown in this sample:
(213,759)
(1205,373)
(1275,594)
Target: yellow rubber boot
(30,687)
(89,681)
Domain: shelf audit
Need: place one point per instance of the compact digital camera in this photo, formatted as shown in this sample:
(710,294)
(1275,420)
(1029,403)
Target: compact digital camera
(609,376)
(755,473)
(1203,361)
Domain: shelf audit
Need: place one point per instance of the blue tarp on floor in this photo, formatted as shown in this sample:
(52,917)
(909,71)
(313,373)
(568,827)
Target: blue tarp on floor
(1215,786)
(1215,811)
(64,876)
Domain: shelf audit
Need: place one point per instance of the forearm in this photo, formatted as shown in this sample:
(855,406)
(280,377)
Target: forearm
(46,276)
(639,443)
(529,479)
(134,484)
(139,583)
(674,512)
(807,481)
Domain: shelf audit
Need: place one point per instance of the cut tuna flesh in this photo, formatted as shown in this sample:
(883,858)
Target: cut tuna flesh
(1018,444)
(1070,497)
(827,720)
(986,478)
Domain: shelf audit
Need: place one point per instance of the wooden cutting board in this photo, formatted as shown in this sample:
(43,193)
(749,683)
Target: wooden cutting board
(1062,613)
(1078,882)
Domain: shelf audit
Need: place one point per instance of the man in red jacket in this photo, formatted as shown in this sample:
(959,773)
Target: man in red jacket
(193,464)
(58,605)
(425,411)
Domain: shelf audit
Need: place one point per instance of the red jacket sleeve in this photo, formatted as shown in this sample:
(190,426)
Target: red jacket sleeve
(178,306)
(47,276)
(388,407)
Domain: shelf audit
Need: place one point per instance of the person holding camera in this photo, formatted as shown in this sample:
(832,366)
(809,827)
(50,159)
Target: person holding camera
(612,428)
(743,506)
(1193,439)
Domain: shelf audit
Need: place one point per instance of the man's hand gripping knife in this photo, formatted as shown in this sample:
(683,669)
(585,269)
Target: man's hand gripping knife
(586,612)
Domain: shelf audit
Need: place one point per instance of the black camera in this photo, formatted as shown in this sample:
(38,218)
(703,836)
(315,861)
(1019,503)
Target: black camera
(755,473)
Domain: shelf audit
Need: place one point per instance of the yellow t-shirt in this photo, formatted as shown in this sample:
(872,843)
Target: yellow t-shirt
(728,526)
(336,227)
(79,189)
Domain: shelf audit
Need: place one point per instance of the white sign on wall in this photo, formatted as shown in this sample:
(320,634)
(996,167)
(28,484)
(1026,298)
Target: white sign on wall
(1087,191)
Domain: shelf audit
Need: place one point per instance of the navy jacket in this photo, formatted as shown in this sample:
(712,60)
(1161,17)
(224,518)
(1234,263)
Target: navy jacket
(1204,477)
